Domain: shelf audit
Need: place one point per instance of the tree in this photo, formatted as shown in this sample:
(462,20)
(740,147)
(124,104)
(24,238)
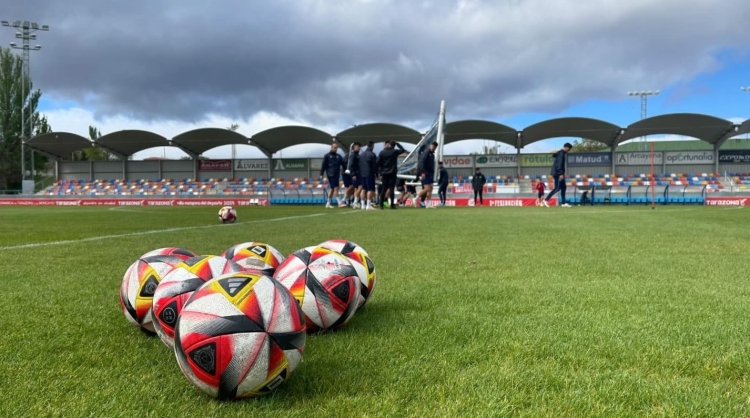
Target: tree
(94,154)
(12,99)
(587,145)
(487,150)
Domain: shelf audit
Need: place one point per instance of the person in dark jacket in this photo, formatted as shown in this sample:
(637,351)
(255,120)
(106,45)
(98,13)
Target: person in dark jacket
(388,167)
(477,183)
(368,170)
(427,173)
(558,173)
(442,183)
(352,170)
(332,164)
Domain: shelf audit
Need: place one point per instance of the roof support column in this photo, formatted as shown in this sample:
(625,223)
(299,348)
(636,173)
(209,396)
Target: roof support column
(716,158)
(617,140)
(124,170)
(265,152)
(519,145)
(342,145)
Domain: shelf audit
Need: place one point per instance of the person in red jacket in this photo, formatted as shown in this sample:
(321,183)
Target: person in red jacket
(540,193)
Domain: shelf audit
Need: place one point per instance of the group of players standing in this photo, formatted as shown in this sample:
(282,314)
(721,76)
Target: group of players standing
(361,168)
(361,172)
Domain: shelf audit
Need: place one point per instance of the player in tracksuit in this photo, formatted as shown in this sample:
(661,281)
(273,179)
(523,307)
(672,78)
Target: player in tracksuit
(332,164)
(558,173)
(352,170)
(368,171)
(442,183)
(388,167)
(477,183)
(427,174)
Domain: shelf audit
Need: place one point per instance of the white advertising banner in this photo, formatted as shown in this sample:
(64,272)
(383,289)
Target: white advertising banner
(502,160)
(638,158)
(690,157)
(454,161)
(250,165)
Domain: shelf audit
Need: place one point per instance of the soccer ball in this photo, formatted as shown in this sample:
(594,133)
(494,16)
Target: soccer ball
(180,252)
(138,287)
(178,285)
(361,262)
(365,272)
(227,214)
(255,256)
(326,285)
(343,246)
(239,336)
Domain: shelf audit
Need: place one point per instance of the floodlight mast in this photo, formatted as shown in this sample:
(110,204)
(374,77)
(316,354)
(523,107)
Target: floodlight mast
(644,109)
(25,31)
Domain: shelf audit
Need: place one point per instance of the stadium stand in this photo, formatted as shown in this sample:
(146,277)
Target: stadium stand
(740,180)
(600,188)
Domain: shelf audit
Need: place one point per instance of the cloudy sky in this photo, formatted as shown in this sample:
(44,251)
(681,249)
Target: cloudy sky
(169,66)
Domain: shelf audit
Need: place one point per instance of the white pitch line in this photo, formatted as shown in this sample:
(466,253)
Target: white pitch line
(153,231)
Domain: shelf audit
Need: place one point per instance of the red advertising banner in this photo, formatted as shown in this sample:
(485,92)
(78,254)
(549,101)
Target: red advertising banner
(490,201)
(727,201)
(133,202)
(214,165)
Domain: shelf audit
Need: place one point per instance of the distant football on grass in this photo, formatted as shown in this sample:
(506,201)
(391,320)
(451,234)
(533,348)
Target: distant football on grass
(326,285)
(227,214)
(139,284)
(179,284)
(255,256)
(240,335)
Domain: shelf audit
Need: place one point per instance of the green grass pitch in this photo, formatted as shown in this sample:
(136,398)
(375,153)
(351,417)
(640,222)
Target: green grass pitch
(477,312)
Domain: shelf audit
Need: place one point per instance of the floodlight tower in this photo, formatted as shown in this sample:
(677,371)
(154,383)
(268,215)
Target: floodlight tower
(644,109)
(25,32)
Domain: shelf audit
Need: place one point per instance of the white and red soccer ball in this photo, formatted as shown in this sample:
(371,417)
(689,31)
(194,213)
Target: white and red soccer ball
(255,256)
(325,284)
(141,280)
(227,214)
(240,335)
(361,262)
(178,285)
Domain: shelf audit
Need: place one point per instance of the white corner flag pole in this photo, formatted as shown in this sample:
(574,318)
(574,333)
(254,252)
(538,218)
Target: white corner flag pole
(440,140)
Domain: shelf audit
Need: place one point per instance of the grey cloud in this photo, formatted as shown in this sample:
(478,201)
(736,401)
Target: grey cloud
(337,63)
